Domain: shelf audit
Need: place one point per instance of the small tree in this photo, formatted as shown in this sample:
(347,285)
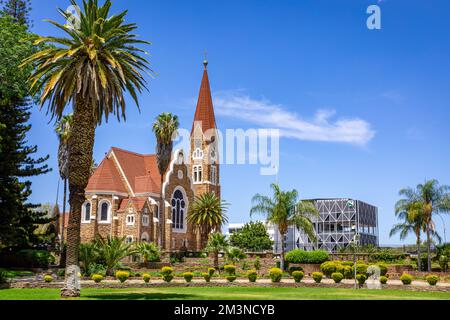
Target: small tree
(148,251)
(234,255)
(217,242)
(111,250)
(252,237)
(18,9)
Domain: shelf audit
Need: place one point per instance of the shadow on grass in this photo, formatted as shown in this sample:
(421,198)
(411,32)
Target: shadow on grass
(140,296)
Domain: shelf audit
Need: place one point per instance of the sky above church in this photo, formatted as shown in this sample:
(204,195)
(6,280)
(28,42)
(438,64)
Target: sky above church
(362,113)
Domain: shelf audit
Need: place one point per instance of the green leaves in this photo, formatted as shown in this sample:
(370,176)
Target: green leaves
(97,63)
(208,213)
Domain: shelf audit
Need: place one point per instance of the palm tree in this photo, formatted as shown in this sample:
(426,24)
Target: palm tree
(435,198)
(207,214)
(88,255)
(413,221)
(148,251)
(90,69)
(165,129)
(235,254)
(62,129)
(217,242)
(111,251)
(283,210)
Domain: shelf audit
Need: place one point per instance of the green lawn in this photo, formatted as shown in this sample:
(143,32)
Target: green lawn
(226,293)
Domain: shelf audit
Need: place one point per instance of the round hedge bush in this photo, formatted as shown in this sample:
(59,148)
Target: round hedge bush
(122,276)
(298,276)
(48,278)
(328,268)
(348,273)
(275,274)
(252,275)
(167,274)
(432,279)
(337,277)
(97,278)
(383,279)
(317,276)
(406,279)
(383,269)
(230,269)
(188,276)
(361,268)
(211,271)
(206,276)
(231,278)
(146,277)
(361,278)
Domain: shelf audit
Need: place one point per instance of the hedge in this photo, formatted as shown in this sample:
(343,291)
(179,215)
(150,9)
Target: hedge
(310,257)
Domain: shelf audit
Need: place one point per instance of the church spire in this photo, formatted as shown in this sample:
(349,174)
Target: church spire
(204,112)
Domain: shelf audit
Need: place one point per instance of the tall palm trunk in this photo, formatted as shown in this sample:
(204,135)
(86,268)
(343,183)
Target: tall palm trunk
(282,253)
(80,159)
(216,260)
(428,247)
(162,220)
(419,260)
(63,220)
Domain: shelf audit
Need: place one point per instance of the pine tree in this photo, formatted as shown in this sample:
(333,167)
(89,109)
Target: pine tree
(18,9)
(18,218)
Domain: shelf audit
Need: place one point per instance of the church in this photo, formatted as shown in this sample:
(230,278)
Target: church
(123,196)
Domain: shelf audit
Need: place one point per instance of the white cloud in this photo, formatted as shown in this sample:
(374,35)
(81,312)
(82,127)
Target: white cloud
(320,128)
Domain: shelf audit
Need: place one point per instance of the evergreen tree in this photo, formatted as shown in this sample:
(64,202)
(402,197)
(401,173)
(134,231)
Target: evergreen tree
(18,9)
(18,218)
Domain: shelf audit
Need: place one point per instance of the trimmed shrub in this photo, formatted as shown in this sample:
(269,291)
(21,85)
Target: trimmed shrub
(295,268)
(231,278)
(328,268)
(406,279)
(230,269)
(348,272)
(383,279)
(95,268)
(206,276)
(122,276)
(432,279)
(301,256)
(188,276)
(146,277)
(211,271)
(48,278)
(361,268)
(252,275)
(347,263)
(275,274)
(361,278)
(97,278)
(337,277)
(257,263)
(167,274)
(298,276)
(317,276)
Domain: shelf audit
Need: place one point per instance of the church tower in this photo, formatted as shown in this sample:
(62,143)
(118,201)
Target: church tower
(204,143)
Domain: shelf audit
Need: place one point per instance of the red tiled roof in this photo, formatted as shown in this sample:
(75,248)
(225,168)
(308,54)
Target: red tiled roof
(141,171)
(106,178)
(137,202)
(205,109)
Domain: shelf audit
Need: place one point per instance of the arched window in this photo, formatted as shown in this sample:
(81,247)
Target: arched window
(198,172)
(197,154)
(145,237)
(213,174)
(86,212)
(104,209)
(179,210)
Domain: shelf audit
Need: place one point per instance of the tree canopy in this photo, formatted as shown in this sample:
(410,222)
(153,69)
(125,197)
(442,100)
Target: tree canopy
(252,237)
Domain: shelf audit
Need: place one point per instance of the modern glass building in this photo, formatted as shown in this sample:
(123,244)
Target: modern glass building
(336,226)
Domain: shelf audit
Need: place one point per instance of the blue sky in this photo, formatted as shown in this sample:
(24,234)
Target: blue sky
(312,63)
